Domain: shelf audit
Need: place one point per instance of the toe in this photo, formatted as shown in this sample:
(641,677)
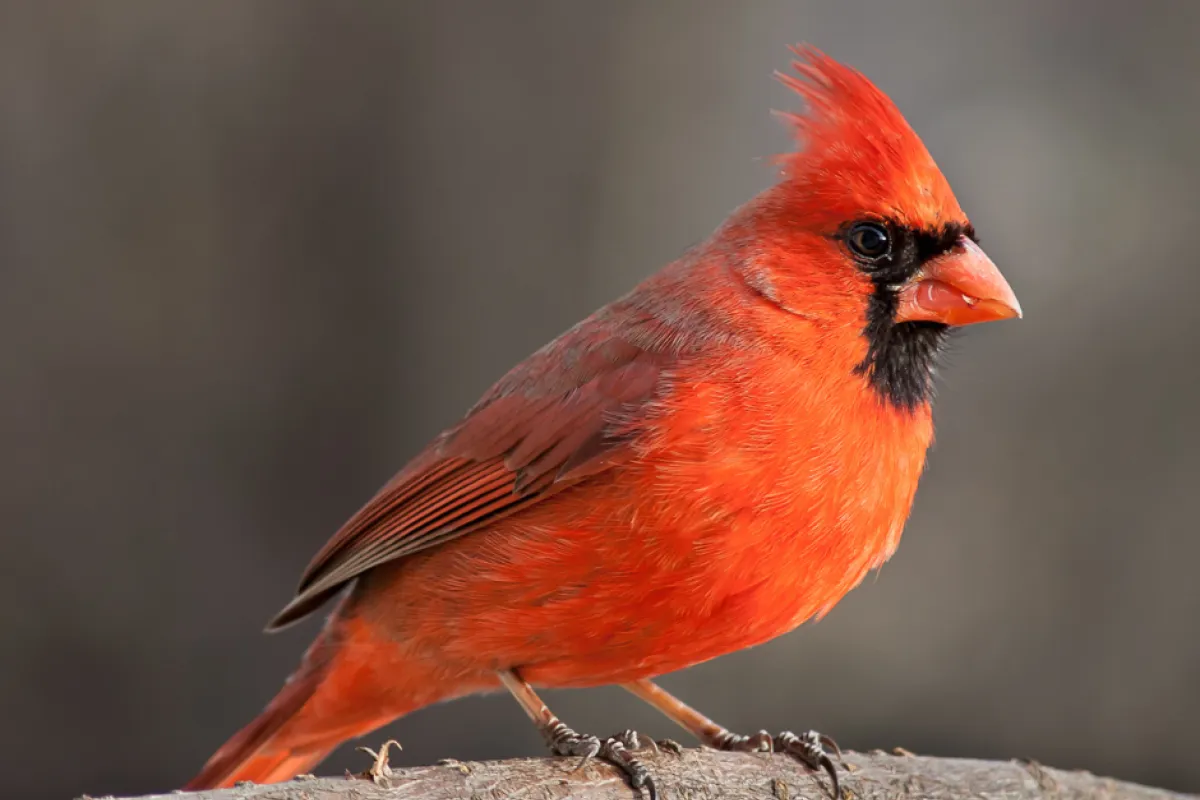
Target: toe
(632,740)
(615,752)
(810,749)
(584,746)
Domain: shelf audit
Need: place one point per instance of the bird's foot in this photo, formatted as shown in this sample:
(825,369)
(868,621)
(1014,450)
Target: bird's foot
(632,740)
(616,750)
(812,749)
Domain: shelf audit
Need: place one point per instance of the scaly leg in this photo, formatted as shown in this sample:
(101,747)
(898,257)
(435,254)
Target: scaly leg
(810,748)
(563,741)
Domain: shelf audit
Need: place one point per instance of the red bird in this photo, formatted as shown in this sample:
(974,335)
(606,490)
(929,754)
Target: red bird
(696,468)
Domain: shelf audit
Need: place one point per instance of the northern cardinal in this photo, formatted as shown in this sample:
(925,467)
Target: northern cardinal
(694,469)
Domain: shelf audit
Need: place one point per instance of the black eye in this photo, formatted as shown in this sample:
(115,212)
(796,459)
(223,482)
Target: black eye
(869,240)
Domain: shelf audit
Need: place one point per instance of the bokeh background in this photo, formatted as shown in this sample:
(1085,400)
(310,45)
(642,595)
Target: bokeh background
(254,255)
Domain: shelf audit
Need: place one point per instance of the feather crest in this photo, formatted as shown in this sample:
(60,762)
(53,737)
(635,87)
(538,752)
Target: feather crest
(857,152)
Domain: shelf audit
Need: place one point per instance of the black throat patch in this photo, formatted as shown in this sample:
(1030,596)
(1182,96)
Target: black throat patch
(901,356)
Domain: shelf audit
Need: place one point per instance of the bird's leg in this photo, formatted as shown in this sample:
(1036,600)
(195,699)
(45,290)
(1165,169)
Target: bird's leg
(810,748)
(563,741)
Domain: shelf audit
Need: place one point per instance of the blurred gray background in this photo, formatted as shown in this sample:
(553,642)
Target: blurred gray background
(254,255)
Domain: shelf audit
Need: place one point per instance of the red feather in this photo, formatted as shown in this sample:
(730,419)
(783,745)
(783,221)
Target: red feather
(696,468)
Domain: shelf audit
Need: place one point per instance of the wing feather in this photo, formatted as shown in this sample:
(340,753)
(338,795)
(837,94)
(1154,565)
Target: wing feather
(561,417)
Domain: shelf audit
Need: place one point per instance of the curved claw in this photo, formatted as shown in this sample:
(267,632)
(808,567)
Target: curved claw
(811,750)
(614,751)
(827,764)
(829,744)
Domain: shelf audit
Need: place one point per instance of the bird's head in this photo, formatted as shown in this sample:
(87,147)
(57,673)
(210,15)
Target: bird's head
(864,234)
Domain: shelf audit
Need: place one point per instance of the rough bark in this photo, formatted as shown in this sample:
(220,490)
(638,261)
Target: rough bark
(705,775)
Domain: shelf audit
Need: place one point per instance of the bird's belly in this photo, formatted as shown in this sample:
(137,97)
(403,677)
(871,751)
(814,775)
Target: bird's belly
(662,622)
(618,599)
(716,540)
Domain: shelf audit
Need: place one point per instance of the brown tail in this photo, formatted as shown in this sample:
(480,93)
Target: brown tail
(337,694)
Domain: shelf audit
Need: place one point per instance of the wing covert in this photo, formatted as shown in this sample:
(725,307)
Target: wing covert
(558,418)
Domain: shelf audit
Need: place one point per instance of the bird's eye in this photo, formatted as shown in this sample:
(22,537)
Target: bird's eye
(869,240)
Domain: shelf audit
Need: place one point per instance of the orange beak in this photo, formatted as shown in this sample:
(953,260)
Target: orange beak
(961,287)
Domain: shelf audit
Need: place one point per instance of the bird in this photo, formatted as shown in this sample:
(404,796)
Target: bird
(696,468)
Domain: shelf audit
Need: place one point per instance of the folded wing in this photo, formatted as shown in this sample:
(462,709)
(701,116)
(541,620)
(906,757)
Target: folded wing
(565,414)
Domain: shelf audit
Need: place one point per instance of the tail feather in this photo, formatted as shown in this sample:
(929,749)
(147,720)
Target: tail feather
(346,686)
(286,739)
(255,754)
(350,682)
(271,768)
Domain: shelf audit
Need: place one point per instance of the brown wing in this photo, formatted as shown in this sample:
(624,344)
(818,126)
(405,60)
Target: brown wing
(548,424)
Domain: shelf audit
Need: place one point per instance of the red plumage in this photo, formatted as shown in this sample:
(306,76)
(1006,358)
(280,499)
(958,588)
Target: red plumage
(696,468)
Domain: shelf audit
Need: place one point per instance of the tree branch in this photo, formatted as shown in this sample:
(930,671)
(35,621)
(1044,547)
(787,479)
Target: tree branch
(705,775)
